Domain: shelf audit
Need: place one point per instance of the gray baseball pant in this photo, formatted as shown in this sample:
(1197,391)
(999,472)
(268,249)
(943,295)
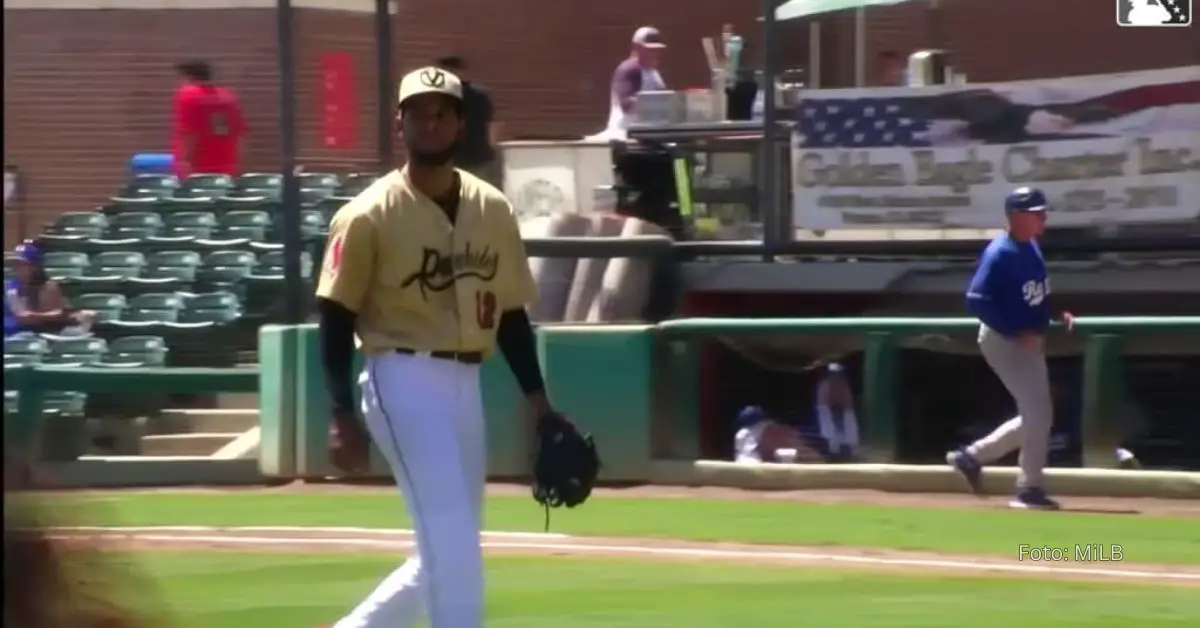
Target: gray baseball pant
(1023,372)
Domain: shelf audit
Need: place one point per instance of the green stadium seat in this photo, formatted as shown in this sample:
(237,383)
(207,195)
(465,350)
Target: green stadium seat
(107,306)
(122,204)
(259,180)
(171,206)
(312,224)
(25,349)
(88,224)
(122,263)
(329,206)
(310,197)
(227,204)
(63,264)
(134,225)
(271,263)
(324,180)
(62,242)
(145,351)
(83,350)
(206,246)
(197,194)
(223,268)
(148,184)
(175,259)
(354,184)
(192,223)
(211,307)
(154,307)
(168,243)
(252,225)
(205,180)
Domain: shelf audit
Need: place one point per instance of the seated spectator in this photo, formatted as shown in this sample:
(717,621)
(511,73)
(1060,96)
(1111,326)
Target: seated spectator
(33,303)
(836,434)
(759,439)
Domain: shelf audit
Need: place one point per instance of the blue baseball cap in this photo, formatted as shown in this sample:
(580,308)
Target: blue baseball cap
(29,251)
(750,415)
(1026,200)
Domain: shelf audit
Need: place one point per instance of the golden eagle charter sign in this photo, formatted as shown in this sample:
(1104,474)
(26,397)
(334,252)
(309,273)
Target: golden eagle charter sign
(1108,149)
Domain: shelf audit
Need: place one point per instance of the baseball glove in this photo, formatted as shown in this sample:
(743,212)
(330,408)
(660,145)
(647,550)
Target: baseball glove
(565,465)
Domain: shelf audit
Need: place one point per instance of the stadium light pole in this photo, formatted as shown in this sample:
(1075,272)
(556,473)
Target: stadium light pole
(383,81)
(290,201)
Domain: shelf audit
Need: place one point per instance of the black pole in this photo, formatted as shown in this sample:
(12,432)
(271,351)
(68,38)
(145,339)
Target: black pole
(769,172)
(290,205)
(383,80)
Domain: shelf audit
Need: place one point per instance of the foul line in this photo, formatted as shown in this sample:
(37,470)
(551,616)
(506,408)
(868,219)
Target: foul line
(581,546)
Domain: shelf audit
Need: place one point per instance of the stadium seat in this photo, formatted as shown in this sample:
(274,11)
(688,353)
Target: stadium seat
(153,307)
(206,246)
(63,264)
(312,225)
(24,349)
(252,225)
(64,350)
(271,263)
(197,224)
(257,202)
(122,204)
(329,206)
(134,225)
(168,207)
(137,351)
(310,197)
(258,180)
(225,268)
(212,181)
(354,184)
(107,306)
(158,185)
(88,224)
(120,263)
(215,307)
(179,264)
(323,180)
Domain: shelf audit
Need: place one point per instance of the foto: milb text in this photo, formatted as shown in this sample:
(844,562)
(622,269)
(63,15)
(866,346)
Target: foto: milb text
(1079,553)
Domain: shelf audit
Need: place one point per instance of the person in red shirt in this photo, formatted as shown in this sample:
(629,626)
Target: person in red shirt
(209,126)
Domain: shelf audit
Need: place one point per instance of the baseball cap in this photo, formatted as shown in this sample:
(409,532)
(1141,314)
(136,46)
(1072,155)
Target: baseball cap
(429,80)
(1026,199)
(28,251)
(649,37)
(750,415)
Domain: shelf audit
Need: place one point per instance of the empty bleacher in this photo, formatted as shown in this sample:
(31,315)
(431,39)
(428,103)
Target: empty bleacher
(179,273)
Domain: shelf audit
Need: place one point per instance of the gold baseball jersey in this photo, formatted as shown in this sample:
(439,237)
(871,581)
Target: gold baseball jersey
(416,280)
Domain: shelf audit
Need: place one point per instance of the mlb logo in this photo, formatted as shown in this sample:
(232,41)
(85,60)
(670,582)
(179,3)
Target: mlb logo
(1152,13)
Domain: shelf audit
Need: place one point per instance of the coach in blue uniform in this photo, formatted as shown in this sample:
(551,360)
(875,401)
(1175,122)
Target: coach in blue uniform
(1009,294)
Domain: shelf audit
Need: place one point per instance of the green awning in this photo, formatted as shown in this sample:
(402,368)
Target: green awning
(805,8)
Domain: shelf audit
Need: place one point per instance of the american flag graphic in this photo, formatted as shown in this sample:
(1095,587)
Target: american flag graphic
(922,117)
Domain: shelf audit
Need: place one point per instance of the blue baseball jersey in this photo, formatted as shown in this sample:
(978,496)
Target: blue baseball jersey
(1010,290)
(11,324)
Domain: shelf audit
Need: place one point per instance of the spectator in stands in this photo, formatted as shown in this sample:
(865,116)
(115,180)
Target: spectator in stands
(760,439)
(637,73)
(478,152)
(209,126)
(836,433)
(35,303)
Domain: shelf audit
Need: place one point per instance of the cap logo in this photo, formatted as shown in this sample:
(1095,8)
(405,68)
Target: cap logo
(433,78)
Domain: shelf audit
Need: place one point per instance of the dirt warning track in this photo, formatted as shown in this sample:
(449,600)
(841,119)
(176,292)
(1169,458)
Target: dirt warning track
(342,539)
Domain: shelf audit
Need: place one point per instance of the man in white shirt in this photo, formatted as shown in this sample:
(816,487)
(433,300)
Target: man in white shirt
(637,73)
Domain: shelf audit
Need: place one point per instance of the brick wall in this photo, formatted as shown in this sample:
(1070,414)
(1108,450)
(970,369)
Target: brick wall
(85,88)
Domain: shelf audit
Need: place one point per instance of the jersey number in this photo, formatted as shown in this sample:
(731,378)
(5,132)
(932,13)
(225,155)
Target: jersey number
(485,308)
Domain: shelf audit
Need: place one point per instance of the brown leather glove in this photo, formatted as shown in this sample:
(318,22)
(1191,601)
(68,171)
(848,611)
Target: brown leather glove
(349,444)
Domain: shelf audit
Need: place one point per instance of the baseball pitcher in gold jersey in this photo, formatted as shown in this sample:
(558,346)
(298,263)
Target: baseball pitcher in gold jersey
(426,270)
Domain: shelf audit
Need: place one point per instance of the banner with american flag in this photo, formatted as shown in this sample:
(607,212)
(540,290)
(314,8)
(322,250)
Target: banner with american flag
(1108,149)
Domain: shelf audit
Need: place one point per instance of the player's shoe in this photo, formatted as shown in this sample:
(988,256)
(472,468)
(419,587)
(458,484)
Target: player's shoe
(1033,498)
(968,467)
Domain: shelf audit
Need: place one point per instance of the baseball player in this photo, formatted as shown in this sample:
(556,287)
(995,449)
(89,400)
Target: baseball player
(1009,294)
(427,268)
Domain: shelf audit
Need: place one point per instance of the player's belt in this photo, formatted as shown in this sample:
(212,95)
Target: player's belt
(465,357)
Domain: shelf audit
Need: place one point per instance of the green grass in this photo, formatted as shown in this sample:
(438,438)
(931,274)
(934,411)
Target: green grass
(997,532)
(269,590)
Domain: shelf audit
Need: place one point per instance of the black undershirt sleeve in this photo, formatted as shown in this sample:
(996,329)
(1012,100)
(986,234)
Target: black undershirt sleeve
(516,341)
(335,337)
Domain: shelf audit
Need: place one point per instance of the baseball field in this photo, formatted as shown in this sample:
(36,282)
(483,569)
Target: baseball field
(300,555)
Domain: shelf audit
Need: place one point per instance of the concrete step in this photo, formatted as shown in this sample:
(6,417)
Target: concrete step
(197,444)
(237,401)
(189,420)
